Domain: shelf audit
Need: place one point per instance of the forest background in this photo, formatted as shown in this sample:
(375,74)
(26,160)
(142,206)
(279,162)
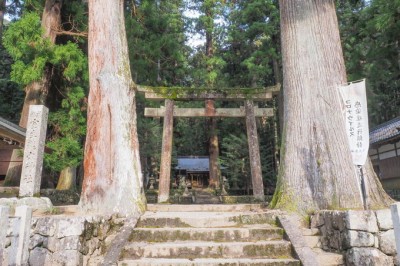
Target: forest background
(244,37)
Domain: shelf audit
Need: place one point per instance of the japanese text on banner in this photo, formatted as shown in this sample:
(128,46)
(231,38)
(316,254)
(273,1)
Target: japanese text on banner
(356,119)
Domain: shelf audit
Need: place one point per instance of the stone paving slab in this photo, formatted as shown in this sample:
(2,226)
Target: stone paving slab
(205,219)
(203,207)
(187,249)
(210,262)
(256,233)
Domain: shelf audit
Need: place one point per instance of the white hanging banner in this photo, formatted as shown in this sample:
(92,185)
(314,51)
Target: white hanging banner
(356,118)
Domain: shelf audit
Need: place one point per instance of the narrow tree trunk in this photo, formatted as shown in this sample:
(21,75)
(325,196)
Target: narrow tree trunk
(316,166)
(67,179)
(36,92)
(112,172)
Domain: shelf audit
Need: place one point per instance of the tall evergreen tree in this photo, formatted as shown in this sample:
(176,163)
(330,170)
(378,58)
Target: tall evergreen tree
(113,177)
(317,170)
(156,40)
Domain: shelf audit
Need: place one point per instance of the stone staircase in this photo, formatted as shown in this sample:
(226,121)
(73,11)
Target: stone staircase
(204,196)
(207,235)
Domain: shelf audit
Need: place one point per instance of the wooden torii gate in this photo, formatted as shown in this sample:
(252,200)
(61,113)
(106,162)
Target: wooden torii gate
(248,111)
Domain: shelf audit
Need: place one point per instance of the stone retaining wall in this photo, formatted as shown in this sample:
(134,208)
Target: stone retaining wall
(364,237)
(70,241)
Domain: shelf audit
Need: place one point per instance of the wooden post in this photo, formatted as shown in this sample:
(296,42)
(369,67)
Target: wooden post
(165,167)
(254,151)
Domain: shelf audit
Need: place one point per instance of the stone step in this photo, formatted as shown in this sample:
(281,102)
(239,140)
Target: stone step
(256,233)
(203,208)
(278,249)
(208,201)
(205,219)
(210,262)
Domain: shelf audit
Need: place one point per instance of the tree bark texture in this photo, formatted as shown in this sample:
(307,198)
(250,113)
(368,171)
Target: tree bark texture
(166,153)
(213,147)
(36,92)
(254,151)
(67,179)
(316,166)
(112,173)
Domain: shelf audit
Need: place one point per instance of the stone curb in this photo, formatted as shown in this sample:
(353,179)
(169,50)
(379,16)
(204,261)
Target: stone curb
(116,246)
(305,254)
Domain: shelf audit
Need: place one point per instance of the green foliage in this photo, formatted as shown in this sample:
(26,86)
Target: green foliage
(32,53)
(69,128)
(236,158)
(156,40)
(11,96)
(370,32)
(252,42)
(29,50)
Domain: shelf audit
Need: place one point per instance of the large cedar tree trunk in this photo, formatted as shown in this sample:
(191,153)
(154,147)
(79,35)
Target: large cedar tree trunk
(213,146)
(36,92)
(316,166)
(67,179)
(112,173)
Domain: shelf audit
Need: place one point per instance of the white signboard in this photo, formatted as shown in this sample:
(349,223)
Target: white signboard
(356,117)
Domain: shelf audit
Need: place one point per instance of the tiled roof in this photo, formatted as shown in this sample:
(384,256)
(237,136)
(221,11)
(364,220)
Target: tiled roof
(11,131)
(193,164)
(385,131)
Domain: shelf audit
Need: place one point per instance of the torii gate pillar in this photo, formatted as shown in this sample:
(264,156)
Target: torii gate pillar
(254,151)
(166,152)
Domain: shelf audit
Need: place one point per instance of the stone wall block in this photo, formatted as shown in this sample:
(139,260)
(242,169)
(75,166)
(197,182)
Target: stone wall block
(39,256)
(338,220)
(317,220)
(70,243)
(90,230)
(92,245)
(52,244)
(46,226)
(367,257)
(324,239)
(55,244)
(67,258)
(335,241)
(384,218)
(361,221)
(70,227)
(37,241)
(328,220)
(387,242)
(358,239)
(376,245)
(103,229)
